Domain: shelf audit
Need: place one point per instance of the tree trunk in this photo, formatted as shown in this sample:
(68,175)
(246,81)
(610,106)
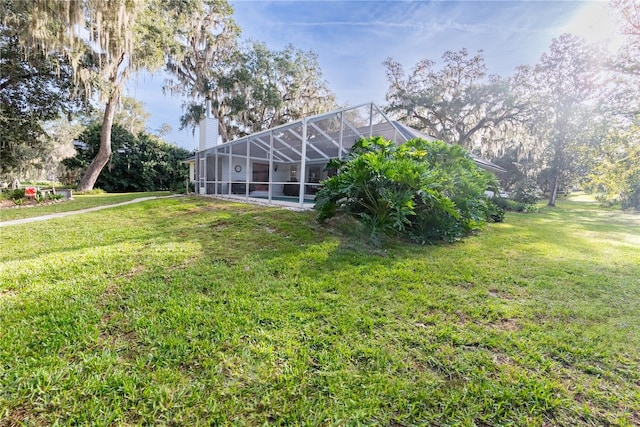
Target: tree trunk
(553,190)
(222,131)
(104,153)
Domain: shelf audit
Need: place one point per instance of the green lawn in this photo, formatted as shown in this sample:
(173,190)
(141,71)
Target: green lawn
(78,202)
(190,311)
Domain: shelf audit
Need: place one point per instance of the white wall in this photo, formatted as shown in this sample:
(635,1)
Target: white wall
(192,172)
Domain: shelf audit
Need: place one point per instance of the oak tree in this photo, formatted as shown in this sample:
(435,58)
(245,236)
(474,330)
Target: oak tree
(458,103)
(105,42)
(566,85)
(257,88)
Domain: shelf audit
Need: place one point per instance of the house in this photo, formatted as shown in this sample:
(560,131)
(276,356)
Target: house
(287,163)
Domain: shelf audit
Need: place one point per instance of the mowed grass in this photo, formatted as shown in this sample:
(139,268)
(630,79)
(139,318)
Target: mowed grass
(77,203)
(192,311)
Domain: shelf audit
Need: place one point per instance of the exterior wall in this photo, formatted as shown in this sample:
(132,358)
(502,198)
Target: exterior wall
(192,172)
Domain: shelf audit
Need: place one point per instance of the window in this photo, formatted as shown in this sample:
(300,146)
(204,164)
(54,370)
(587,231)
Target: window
(314,173)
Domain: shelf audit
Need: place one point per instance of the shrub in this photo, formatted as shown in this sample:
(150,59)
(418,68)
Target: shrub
(423,190)
(18,193)
(495,212)
(514,206)
(140,162)
(526,191)
(630,197)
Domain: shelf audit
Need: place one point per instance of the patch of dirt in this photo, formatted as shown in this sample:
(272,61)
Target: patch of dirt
(114,335)
(494,293)
(7,204)
(185,264)
(502,359)
(510,325)
(111,290)
(8,293)
(138,269)
(17,416)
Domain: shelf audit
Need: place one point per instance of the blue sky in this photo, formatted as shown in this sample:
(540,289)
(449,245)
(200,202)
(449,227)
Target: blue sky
(353,38)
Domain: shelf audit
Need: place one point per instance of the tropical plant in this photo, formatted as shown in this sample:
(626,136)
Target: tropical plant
(423,190)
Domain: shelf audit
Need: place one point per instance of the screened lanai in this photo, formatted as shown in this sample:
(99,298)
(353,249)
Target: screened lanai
(285,164)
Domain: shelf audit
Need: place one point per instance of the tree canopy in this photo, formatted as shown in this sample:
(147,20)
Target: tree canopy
(139,162)
(543,122)
(566,94)
(33,89)
(253,89)
(107,41)
(458,103)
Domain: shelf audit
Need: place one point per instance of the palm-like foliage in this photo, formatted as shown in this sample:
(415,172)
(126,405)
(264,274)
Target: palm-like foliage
(423,190)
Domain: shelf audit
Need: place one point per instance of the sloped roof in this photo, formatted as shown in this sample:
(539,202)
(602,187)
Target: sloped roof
(328,135)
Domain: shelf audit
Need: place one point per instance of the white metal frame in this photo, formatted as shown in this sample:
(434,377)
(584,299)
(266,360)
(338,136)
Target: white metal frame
(290,144)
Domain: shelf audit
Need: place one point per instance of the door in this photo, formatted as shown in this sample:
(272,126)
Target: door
(203,174)
(261,174)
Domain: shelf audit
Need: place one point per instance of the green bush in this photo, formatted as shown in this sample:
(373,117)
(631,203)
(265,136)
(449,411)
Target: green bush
(514,206)
(137,163)
(630,198)
(526,191)
(16,194)
(426,191)
(495,212)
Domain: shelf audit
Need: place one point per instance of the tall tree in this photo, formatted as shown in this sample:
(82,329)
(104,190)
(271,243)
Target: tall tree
(458,103)
(259,88)
(626,62)
(279,86)
(629,14)
(615,176)
(105,42)
(131,115)
(210,44)
(566,91)
(139,162)
(33,89)
(60,136)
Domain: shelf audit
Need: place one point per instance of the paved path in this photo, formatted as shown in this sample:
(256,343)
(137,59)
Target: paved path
(81,211)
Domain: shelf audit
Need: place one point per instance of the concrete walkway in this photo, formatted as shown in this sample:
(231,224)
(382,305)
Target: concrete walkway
(81,211)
